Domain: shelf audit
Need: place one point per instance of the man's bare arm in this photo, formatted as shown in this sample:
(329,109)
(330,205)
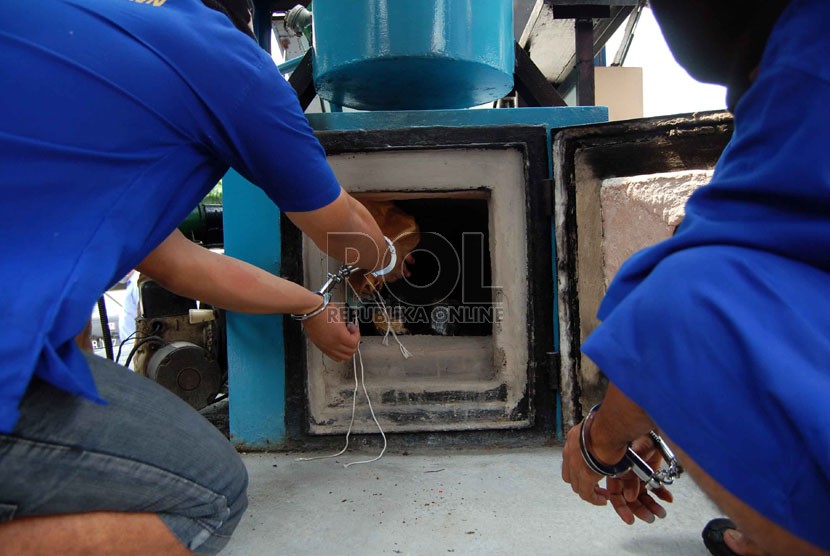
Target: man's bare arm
(190,270)
(345,230)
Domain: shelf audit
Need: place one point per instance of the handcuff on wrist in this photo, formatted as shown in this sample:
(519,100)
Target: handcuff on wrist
(342,275)
(631,461)
(393,260)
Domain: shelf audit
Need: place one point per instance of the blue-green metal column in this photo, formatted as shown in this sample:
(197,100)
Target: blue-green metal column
(256,356)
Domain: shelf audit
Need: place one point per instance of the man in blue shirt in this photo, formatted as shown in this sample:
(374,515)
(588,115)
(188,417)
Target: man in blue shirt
(720,336)
(116,118)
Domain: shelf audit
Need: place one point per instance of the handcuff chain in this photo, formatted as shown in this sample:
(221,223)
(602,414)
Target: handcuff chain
(325,290)
(335,279)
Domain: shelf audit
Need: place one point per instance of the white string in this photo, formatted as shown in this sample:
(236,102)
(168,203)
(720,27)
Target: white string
(355,358)
(359,357)
(371,410)
(405,352)
(354,405)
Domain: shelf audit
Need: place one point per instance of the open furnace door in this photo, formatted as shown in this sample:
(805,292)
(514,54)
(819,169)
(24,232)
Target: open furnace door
(588,161)
(476,313)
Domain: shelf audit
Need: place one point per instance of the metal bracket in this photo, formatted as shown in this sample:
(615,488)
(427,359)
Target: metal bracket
(302,81)
(531,84)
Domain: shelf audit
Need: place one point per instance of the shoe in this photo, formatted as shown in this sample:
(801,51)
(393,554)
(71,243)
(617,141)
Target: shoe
(713,536)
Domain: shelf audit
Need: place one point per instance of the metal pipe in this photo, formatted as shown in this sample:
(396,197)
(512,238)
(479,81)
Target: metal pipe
(262,24)
(289,65)
(105,327)
(628,36)
(585,87)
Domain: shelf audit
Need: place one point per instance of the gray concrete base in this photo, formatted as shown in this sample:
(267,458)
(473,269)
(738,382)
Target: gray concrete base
(488,502)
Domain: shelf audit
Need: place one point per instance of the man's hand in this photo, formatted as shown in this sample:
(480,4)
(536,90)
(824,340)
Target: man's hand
(618,422)
(335,338)
(627,493)
(576,472)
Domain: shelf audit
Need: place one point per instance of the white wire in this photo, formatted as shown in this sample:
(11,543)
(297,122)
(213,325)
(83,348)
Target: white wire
(405,352)
(359,357)
(348,432)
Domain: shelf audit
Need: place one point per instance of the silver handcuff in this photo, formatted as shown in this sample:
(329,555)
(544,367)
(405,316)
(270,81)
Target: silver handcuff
(341,275)
(632,461)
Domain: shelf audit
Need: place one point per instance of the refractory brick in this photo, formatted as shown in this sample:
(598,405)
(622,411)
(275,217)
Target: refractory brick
(639,211)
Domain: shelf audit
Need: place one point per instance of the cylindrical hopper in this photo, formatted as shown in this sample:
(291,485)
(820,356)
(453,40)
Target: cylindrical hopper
(413,54)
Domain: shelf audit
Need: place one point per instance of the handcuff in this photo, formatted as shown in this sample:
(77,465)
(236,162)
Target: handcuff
(632,461)
(335,279)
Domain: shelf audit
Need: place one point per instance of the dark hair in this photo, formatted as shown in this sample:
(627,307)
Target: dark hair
(238,11)
(718,41)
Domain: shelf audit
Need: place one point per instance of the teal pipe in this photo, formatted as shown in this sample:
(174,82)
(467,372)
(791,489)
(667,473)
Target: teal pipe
(289,65)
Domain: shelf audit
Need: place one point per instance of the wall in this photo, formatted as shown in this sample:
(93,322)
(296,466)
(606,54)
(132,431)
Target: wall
(621,90)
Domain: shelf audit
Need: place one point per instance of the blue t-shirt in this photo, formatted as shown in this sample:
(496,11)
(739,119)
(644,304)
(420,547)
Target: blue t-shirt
(116,118)
(722,332)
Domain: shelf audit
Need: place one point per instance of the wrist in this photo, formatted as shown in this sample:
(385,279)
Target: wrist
(309,302)
(604,445)
(323,302)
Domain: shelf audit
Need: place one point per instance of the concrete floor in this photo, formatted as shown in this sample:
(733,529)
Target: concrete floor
(488,502)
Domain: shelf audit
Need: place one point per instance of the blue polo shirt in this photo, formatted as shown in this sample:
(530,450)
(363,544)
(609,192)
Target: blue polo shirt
(722,332)
(116,118)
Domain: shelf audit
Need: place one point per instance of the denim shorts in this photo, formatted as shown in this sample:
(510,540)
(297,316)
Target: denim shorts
(145,451)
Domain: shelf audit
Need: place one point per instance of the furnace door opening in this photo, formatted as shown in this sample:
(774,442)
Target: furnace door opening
(466,314)
(449,290)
